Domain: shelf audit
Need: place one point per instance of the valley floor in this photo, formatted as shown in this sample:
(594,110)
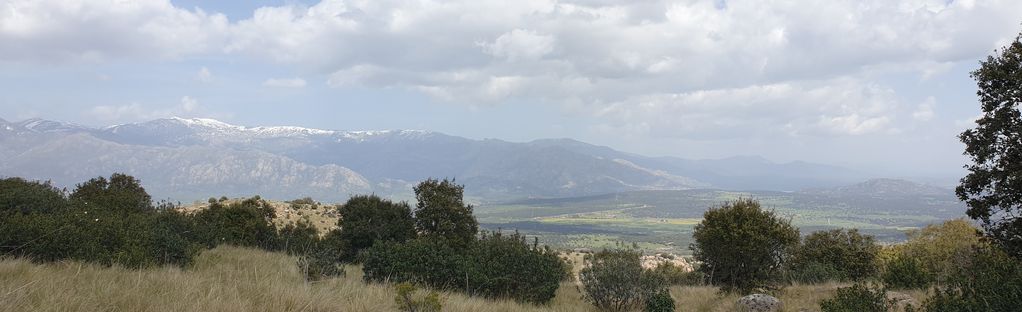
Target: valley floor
(240,279)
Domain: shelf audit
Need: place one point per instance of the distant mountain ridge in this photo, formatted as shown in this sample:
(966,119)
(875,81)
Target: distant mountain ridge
(198,157)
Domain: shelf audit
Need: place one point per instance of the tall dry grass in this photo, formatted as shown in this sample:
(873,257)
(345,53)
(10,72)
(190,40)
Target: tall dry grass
(240,279)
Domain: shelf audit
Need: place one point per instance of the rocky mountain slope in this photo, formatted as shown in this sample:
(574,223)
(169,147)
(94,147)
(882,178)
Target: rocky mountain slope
(188,159)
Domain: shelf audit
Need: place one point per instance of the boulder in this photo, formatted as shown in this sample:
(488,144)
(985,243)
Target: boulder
(759,303)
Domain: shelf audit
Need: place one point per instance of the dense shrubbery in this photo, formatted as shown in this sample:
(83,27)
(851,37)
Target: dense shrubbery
(659,302)
(858,298)
(743,247)
(103,221)
(906,273)
(615,281)
(447,253)
(678,276)
(19,195)
(370,219)
(494,266)
(938,248)
(245,223)
(988,280)
(834,255)
(298,238)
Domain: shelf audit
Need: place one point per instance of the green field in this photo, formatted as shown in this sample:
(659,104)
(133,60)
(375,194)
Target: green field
(664,220)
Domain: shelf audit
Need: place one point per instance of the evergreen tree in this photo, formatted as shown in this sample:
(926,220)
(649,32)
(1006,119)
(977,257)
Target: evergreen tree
(441,212)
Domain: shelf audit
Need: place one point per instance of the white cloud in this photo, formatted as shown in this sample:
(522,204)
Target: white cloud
(284,83)
(204,75)
(925,110)
(188,106)
(666,65)
(834,107)
(118,112)
(520,44)
(98,30)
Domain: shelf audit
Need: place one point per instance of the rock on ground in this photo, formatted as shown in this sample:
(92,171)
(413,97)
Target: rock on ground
(759,303)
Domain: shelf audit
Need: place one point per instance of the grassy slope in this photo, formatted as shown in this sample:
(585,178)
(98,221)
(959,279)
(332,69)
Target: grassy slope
(238,279)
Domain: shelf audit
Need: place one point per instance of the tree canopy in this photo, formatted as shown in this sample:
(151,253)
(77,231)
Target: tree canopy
(441,211)
(742,247)
(993,187)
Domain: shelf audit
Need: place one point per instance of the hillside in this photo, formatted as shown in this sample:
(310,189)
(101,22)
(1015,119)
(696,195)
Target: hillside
(185,158)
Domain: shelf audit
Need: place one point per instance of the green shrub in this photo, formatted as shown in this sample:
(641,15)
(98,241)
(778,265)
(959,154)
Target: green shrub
(121,193)
(22,196)
(407,300)
(678,276)
(659,302)
(108,222)
(441,212)
(431,262)
(906,273)
(495,266)
(615,281)
(939,247)
(834,255)
(813,272)
(506,266)
(246,223)
(858,298)
(367,220)
(298,238)
(742,247)
(990,280)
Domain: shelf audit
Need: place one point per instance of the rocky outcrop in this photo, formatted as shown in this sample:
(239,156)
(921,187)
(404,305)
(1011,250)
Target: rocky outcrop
(653,261)
(759,303)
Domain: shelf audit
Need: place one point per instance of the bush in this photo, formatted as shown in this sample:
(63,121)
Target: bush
(298,238)
(107,223)
(660,302)
(22,196)
(495,266)
(906,273)
(742,247)
(678,276)
(990,280)
(246,223)
(615,281)
(834,255)
(441,212)
(367,220)
(121,193)
(506,266)
(814,272)
(407,300)
(939,247)
(858,298)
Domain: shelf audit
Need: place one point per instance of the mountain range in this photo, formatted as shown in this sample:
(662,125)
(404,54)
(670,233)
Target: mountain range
(189,159)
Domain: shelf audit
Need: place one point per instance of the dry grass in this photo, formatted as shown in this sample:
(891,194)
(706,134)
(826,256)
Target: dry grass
(239,279)
(223,279)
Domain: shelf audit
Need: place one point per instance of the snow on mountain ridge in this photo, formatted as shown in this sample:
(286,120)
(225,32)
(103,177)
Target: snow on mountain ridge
(216,128)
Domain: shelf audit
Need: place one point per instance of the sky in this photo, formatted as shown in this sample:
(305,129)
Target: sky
(876,85)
